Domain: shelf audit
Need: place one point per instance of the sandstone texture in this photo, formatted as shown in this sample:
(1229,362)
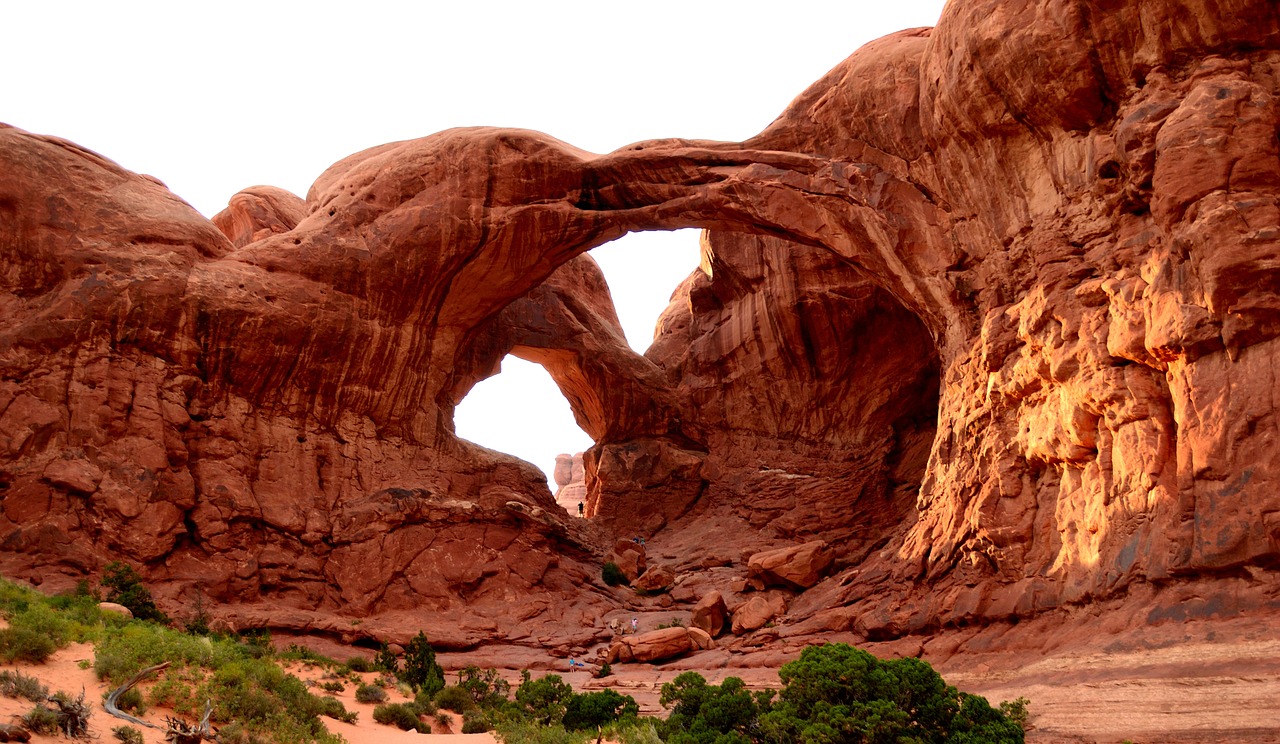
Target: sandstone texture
(630,557)
(709,614)
(799,567)
(991,311)
(571,488)
(659,645)
(655,579)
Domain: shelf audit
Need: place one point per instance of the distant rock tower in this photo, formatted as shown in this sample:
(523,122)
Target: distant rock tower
(569,478)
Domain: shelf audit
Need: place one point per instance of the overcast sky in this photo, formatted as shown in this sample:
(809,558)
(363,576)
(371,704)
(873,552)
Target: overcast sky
(213,97)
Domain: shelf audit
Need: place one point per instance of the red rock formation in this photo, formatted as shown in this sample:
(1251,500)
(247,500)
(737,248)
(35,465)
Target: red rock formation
(571,491)
(709,614)
(1043,231)
(798,567)
(272,423)
(658,645)
(655,579)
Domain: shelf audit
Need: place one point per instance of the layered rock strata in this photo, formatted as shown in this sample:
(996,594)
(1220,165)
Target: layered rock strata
(991,309)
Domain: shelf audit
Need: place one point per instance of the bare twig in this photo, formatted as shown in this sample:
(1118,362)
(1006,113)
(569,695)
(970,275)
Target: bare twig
(112,703)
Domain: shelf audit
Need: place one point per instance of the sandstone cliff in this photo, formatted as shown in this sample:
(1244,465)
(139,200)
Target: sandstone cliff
(991,309)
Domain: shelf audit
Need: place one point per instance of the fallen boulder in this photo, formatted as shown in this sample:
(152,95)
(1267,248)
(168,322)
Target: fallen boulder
(752,614)
(659,645)
(797,567)
(710,613)
(701,639)
(630,556)
(118,609)
(656,579)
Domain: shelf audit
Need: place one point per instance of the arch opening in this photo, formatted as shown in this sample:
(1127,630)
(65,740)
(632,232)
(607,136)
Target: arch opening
(520,411)
(643,269)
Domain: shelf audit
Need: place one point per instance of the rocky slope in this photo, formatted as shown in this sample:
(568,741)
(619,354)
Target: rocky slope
(991,309)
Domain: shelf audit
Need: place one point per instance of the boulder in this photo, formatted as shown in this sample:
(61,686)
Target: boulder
(752,614)
(797,567)
(710,614)
(118,609)
(701,639)
(656,579)
(630,556)
(655,645)
(13,732)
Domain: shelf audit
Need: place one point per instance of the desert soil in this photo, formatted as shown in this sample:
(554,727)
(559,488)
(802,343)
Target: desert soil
(1175,684)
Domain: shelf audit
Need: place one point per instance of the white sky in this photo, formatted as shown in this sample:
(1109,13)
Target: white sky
(214,97)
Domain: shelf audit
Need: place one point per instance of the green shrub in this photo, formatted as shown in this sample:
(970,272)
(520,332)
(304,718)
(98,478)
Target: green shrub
(359,664)
(127,735)
(1016,711)
(124,587)
(15,684)
(198,623)
(385,661)
(594,709)
(525,732)
(475,723)
(834,693)
(18,644)
(122,654)
(455,699)
(370,694)
(543,700)
(41,720)
(485,686)
(301,653)
(444,721)
(605,670)
(333,708)
(400,715)
(130,702)
(613,575)
(333,686)
(421,672)
(425,703)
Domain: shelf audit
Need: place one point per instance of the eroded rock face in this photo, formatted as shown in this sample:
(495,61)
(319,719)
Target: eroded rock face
(571,481)
(270,425)
(797,567)
(709,614)
(1002,334)
(657,645)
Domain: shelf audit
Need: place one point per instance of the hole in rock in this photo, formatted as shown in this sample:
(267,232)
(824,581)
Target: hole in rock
(521,412)
(643,269)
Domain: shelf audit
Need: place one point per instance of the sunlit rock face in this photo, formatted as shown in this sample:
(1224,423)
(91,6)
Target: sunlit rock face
(991,310)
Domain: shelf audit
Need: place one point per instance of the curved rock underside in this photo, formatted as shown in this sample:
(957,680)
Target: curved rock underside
(992,309)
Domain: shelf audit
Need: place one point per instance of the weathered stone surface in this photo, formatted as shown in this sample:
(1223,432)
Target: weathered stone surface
(701,639)
(572,488)
(259,212)
(118,609)
(655,579)
(710,613)
(796,567)
(1003,334)
(630,556)
(656,645)
(752,614)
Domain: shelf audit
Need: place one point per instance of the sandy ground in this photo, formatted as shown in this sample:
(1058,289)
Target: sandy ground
(1176,685)
(70,669)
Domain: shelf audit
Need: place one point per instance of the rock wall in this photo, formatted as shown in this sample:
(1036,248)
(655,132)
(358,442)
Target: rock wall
(992,309)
